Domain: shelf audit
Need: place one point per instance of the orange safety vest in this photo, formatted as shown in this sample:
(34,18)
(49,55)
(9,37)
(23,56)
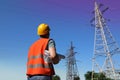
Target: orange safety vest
(36,64)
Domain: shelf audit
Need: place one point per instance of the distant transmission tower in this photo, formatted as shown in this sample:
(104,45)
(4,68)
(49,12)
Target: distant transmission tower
(72,70)
(106,49)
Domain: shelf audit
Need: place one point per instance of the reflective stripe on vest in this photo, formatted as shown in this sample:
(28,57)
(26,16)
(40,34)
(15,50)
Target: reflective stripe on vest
(37,65)
(35,57)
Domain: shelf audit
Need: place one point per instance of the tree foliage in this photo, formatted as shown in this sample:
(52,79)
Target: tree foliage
(77,78)
(96,76)
(56,77)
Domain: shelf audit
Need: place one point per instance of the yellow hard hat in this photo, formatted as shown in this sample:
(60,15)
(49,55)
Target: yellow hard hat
(43,29)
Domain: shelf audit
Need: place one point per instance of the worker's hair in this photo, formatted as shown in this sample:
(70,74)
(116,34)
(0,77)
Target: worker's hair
(44,36)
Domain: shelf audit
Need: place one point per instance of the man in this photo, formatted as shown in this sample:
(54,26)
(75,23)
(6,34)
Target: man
(42,55)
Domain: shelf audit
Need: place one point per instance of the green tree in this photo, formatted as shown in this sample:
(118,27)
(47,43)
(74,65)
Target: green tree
(96,76)
(88,75)
(77,78)
(55,77)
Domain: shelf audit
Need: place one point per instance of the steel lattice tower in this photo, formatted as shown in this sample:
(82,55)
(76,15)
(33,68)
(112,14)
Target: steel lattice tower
(105,48)
(72,70)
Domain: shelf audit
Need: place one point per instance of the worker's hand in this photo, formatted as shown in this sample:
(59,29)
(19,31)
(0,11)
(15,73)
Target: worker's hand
(58,58)
(61,56)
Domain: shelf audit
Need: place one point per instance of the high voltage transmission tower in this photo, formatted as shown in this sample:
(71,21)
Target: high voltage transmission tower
(72,70)
(106,49)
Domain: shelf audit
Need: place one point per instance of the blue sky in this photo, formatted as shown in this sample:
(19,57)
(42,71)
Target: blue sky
(69,21)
